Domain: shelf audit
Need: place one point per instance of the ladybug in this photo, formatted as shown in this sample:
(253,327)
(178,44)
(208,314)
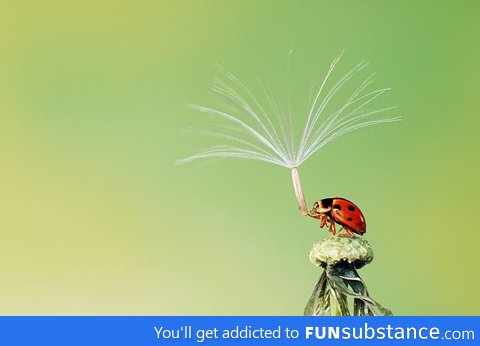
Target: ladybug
(341,211)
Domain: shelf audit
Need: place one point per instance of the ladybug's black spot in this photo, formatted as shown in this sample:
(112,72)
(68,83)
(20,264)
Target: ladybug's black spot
(349,219)
(360,224)
(351,207)
(337,207)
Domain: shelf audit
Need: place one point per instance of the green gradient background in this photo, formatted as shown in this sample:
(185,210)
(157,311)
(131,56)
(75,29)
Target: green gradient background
(96,219)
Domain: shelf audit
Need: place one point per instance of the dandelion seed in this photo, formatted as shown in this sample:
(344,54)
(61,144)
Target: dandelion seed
(262,133)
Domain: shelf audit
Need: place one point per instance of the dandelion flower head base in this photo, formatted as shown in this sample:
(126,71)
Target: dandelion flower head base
(340,290)
(332,250)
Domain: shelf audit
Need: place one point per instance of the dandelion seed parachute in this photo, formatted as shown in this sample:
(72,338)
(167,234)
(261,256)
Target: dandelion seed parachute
(263,134)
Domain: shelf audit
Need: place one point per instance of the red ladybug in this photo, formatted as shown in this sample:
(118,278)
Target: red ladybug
(343,212)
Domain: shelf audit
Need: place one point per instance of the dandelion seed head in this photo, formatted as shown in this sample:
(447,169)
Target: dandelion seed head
(265,130)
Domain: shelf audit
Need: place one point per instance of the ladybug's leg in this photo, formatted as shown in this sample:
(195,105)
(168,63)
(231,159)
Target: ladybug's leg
(332,227)
(349,233)
(324,220)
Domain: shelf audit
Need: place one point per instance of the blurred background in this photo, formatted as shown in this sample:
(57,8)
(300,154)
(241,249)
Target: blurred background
(95,218)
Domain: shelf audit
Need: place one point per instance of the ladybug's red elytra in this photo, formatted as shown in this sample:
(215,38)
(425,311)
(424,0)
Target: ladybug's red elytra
(341,211)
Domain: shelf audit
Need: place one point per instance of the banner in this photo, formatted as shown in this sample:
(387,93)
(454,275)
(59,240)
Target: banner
(178,330)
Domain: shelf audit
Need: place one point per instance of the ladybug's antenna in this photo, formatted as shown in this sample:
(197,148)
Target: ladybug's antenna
(297,186)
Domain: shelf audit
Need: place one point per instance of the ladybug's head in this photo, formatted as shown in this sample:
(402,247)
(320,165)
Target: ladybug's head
(315,209)
(322,206)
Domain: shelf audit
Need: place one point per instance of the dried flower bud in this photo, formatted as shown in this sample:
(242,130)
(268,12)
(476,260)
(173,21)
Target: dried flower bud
(332,250)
